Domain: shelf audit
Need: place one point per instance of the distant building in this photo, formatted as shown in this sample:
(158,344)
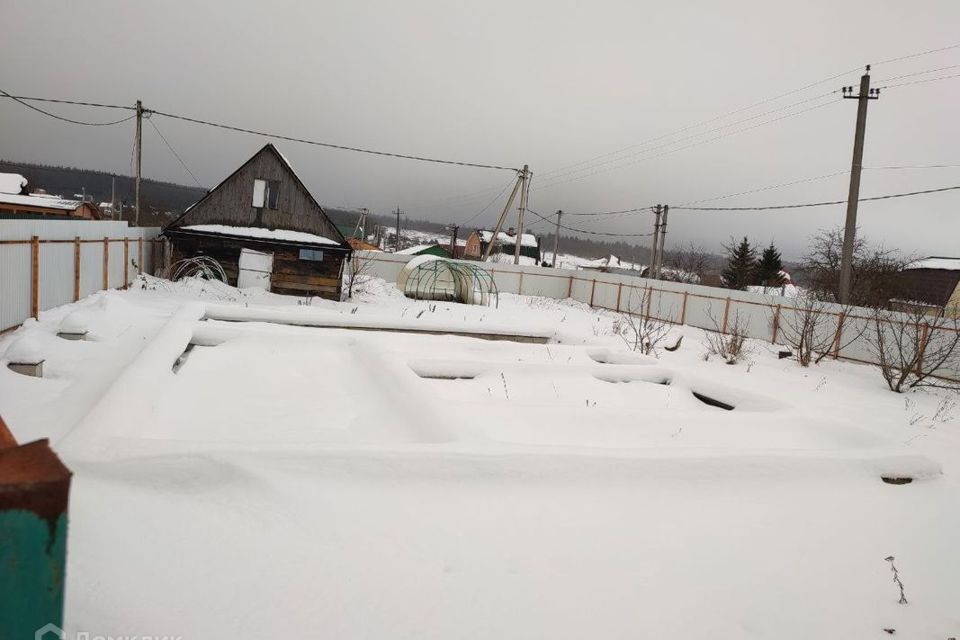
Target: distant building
(931,282)
(17,202)
(265,229)
(505,243)
(425,250)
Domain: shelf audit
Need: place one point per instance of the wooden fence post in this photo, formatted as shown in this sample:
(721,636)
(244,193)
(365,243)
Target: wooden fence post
(35,276)
(570,287)
(619,293)
(593,288)
(140,254)
(76,268)
(776,325)
(726,315)
(924,337)
(106,263)
(836,338)
(126,262)
(683,309)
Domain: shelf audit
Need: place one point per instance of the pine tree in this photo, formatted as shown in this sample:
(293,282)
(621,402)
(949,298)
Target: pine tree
(770,268)
(741,265)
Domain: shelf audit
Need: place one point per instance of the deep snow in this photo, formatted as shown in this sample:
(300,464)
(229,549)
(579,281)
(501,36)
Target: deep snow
(283,480)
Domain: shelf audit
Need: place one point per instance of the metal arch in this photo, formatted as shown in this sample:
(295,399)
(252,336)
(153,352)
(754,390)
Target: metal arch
(452,281)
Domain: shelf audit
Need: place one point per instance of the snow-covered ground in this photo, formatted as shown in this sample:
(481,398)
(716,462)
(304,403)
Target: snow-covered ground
(279,480)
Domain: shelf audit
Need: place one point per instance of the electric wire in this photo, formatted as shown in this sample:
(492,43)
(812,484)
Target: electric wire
(70,120)
(815,204)
(173,151)
(592,233)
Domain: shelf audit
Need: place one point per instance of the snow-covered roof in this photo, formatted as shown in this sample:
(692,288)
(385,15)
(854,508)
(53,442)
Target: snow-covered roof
(527,239)
(409,251)
(43,201)
(934,262)
(257,232)
(12,182)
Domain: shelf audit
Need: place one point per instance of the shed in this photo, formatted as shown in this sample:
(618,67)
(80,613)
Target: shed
(17,202)
(505,242)
(265,208)
(932,281)
(425,250)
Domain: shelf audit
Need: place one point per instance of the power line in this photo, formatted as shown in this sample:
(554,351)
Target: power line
(71,121)
(329,145)
(592,233)
(816,204)
(917,55)
(703,122)
(696,144)
(918,166)
(173,151)
(919,73)
(489,204)
(646,209)
(768,188)
(905,84)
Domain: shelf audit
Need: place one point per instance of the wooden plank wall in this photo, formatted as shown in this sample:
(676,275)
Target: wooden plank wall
(291,275)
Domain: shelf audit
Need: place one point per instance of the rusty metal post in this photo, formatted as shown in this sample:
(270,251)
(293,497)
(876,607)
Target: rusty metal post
(726,315)
(126,262)
(34,491)
(35,276)
(683,309)
(593,289)
(76,268)
(619,293)
(153,252)
(776,325)
(106,264)
(837,337)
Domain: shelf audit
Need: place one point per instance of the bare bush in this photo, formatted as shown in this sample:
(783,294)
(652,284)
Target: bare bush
(687,265)
(639,329)
(730,342)
(813,331)
(910,346)
(874,275)
(359,266)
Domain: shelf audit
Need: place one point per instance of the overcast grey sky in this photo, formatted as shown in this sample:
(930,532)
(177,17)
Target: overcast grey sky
(546,83)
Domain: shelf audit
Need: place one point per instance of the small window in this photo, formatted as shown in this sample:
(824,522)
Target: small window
(311,254)
(266,193)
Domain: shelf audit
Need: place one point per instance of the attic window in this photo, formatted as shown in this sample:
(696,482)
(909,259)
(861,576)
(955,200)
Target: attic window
(266,193)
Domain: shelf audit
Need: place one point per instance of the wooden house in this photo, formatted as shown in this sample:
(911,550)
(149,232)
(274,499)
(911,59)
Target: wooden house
(932,282)
(505,243)
(265,229)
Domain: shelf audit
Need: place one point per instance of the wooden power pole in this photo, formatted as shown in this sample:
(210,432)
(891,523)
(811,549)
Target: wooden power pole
(453,240)
(503,216)
(397,243)
(139,155)
(663,239)
(651,273)
(850,229)
(524,190)
(556,240)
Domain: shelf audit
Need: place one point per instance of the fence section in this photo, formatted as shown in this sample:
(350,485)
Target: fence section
(47,263)
(757,315)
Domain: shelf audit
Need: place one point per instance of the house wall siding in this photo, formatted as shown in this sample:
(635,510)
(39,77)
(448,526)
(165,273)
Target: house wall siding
(291,275)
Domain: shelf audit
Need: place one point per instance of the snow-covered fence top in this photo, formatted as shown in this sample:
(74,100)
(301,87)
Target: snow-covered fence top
(47,263)
(758,315)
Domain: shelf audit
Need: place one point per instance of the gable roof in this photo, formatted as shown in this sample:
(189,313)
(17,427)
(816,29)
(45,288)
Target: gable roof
(329,229)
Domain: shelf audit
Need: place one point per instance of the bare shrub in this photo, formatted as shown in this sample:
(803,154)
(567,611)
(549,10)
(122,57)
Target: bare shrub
(730,344)
(812,330)
(359,266)
(874,274)
(687,265)
(910,346)
(639,328)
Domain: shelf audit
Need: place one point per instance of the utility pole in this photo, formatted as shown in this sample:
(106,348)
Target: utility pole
(361,224)
(503,216)
(663,239)
(850,230)
(453,240)
(556,240)
(524,190)
(651,273)
(397,244)
(139,155)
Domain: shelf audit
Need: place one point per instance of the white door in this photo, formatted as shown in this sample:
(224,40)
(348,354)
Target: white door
(255,270)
